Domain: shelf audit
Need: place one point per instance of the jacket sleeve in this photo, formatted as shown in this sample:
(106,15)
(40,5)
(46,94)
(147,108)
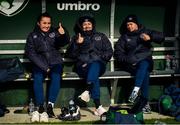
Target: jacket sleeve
(75,50)
(120,52)
(72,49)
(62,39)
(32,55)
(156,36)
(107,49)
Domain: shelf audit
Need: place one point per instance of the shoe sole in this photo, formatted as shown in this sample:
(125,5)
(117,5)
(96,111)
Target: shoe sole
(83,99)
(34,120)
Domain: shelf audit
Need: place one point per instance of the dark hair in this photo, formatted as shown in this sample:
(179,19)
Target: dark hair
(132,18)
(129,18)
(85,18)
(45,14)
(80,20)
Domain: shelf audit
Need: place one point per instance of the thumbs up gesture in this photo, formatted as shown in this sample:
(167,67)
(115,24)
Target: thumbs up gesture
(145,37)
(80,39)
(61,29)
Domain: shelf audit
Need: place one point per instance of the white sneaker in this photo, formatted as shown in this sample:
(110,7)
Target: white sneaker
(43,117)
(99,111)
(35,116)
(133,96)
(85,96)
(76,112)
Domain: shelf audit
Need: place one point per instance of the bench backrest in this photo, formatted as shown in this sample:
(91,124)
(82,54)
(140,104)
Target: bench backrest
(11,48)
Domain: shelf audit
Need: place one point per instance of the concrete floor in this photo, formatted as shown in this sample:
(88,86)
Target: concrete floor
(86,115)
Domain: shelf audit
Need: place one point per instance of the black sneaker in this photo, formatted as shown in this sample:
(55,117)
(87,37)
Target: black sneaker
(4,108)
(50,111)
(147,109)
(1,112)
(41,109)
(65,114)
(75,113)
(138,105)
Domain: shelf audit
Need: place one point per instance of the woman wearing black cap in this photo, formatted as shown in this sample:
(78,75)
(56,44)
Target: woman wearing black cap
(133,53)
(91,50)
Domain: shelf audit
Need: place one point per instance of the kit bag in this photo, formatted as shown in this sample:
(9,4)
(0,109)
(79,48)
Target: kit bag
(10,69)
(117,115)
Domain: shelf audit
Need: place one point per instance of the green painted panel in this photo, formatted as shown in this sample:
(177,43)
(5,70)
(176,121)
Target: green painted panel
(68,15)
(144,13)
(12,47)
(19,25)
(15,93)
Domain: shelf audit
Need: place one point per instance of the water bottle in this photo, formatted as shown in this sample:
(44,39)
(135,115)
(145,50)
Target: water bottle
(174,63)
(168,62)
(71,107)
(31,106)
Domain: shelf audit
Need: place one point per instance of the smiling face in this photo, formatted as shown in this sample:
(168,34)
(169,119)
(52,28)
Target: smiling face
(87,26)
(131,26)
(44,24)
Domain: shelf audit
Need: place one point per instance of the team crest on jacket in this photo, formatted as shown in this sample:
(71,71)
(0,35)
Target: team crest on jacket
(34,36)
(97,38)
(52,35)
(128,40)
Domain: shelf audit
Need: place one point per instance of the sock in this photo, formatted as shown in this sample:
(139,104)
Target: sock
(136,89)
(51,104)
(97,103)
(89,86)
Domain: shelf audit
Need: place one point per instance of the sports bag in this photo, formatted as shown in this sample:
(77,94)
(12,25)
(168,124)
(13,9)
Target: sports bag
(10,69)
(117,115)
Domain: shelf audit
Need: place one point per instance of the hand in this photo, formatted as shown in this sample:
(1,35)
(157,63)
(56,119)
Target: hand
(61,29)
(80,39)
(132,60)
(145,37)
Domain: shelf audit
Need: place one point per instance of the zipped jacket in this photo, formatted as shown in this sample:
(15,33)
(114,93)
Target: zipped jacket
(43,48)
(131,48)
(96,47)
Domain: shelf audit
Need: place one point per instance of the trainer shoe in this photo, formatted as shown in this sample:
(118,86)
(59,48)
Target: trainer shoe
(85,96)
(43,117)
(147,109)
(50,111)
(76,113)
(133,96)
(41,109)
(35,116)
(100,111)
(65,114)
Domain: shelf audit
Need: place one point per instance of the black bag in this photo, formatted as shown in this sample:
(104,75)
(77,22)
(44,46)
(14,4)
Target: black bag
(10,69)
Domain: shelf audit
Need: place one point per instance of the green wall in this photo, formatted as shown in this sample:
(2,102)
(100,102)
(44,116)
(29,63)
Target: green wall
(69,17)
(18,26)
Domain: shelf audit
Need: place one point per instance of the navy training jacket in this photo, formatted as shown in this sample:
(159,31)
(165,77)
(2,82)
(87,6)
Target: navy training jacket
(43,48)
